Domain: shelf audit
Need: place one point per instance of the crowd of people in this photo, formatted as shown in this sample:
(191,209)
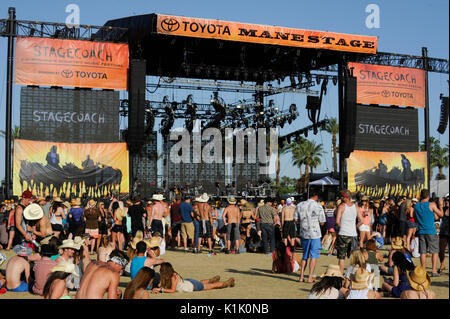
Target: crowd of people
(83,245)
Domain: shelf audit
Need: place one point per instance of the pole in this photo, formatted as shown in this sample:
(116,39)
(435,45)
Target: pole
(11,27)
(427,115)
(341,123)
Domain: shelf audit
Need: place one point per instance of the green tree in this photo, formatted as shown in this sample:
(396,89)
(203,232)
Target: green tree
(15,133)
(332,127)
(439,156)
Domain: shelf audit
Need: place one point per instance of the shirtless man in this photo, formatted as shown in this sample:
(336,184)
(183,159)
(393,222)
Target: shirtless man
(231,216)
(287,223)
(41,228)
(158,210)
(206,220)
(14,269)
(100,277)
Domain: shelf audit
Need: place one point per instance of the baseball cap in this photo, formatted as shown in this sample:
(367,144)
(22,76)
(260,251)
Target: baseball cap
(27,194)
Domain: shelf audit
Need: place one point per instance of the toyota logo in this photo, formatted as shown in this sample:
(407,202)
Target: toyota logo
(170,25)
(67,74)
(385,93)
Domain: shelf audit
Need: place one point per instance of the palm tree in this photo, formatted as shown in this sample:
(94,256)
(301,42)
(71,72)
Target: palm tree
(332,127)
(15,133)
(439,156)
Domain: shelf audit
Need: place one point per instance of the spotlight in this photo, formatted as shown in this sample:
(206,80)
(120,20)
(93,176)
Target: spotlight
(299,78)
(150,121)
(293,108)
(309,77)
(291,77)
(306,133)
(318,79)
(335,80)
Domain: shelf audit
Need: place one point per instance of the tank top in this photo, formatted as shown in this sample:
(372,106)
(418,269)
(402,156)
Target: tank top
(372,257)
(348,221)
(366,217)
(425,219)
(136,264)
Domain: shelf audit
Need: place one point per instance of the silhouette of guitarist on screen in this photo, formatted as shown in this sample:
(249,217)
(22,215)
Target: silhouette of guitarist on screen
(52,157)
(406,164)
(88,162)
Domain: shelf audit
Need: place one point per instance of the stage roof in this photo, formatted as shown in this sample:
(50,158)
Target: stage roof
(175,46)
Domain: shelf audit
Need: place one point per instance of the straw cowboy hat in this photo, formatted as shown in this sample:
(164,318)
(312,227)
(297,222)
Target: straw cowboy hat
(364,198)
(154,242)
(261,203)
(419,279)
(242,202)
(67,205)
(68,243)
(203,199)
(57,199)
(139,237)
(361,279)
(33,212)
(65,266)
(247,206)
(92,203)
(333,271)
(75,201)
(397,243)
(232,200)
(157,197)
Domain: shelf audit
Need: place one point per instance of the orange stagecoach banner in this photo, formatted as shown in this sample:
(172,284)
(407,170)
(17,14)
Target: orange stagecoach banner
(387,173)
(71,63)
(58,169)
(389,85)
(255,33)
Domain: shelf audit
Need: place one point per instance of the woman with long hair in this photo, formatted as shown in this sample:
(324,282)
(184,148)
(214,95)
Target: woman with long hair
(55,286)
(92,218)
(56,214)
(106,247)
(330,286)
(139,287)
(284,261)
(172,282)
(400,281)
(358,260)
(364,225)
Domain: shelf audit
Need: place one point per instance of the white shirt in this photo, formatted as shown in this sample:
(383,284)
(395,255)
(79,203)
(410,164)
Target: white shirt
(311,214)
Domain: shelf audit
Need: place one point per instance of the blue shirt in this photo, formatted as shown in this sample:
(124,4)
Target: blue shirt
(185,212)
(425,219)
(136,264)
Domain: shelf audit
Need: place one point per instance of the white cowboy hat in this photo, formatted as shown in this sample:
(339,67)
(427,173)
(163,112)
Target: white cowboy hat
(78,241)
(33,212)
(157,197)
(68,243)
(65,266)
(232,200)
(203,199)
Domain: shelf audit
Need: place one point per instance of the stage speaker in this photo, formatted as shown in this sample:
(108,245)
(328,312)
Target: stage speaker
(136,105)
(349,115)
(443,120)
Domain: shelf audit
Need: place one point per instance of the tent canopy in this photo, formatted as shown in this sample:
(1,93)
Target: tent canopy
(325,181)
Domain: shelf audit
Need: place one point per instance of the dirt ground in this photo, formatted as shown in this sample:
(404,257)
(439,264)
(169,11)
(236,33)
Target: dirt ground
(252,272)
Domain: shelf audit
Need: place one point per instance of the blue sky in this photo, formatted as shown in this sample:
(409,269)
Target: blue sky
(405,27)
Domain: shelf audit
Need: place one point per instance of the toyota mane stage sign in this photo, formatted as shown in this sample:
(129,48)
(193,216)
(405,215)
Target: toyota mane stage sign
(71,63)
(234,31)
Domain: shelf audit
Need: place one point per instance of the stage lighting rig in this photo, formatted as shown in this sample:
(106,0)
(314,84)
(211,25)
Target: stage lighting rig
(149,120)
(167,123)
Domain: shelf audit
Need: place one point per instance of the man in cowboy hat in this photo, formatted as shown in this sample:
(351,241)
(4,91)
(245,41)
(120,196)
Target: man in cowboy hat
(206,221)
(137,213)
(20,233)
(157,212)
(68,246)
(231,218)
(100,277)
(38,224)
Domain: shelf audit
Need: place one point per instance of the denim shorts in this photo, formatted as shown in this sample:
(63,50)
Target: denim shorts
(198,285)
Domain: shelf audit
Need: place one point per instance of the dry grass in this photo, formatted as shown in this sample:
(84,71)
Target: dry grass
(253,275)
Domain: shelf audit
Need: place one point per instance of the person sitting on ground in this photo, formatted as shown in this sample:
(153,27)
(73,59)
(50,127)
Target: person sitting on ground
(373,258)
(55,286)
(162,242)
(140,286)
(42,268)
(400,282)
(68,249)
(146,256)
(100,278)
(172,282)
(419,281)
(357,260)
(330,286)
(16,266)
(284,261)
(396,245)
(360,289)
(106,247)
